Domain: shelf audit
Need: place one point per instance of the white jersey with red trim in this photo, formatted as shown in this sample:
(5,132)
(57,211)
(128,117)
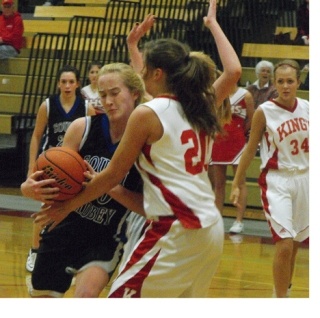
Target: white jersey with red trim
(285,143)
(175,169)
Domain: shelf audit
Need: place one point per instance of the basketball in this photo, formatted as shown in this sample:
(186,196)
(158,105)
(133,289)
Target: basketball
(64,165)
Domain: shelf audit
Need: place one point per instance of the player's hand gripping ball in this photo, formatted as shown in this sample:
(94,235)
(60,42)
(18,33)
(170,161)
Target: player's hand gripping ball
(66,166)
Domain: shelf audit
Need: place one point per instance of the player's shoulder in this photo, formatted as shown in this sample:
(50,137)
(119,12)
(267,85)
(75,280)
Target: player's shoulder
(303,102)
(267,104)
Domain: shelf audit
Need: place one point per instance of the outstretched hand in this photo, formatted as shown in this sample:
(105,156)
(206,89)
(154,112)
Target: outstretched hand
(140,29)
(212,13)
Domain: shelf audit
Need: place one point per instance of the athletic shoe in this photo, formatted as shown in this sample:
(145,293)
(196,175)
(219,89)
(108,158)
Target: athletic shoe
(31,259)
(237,227)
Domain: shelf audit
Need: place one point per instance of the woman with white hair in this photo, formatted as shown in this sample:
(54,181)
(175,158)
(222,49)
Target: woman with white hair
(262,89)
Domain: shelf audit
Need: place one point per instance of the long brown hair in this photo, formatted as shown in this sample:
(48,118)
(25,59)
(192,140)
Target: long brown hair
(190,76)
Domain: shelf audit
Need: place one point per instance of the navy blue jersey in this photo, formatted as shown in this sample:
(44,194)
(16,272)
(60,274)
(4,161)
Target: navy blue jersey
(97,149)
(97,231)
(59,120)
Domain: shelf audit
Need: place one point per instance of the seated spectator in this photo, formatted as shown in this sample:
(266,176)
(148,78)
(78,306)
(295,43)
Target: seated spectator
(302,37)
(11,30)
(262,89)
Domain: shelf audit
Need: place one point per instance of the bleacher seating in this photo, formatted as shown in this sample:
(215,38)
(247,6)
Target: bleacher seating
(67,12)
(275,51)
(86,2)
(32,27)
(291,30)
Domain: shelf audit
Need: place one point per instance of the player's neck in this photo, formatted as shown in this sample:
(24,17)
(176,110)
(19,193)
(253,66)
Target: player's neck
(67,101)
(94,87)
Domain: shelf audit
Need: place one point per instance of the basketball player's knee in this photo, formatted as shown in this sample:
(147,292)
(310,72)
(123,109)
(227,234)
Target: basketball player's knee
(285,248)
(86,291)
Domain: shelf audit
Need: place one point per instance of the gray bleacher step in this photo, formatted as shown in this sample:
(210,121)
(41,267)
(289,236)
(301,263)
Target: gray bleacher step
(7,141)
(19,203)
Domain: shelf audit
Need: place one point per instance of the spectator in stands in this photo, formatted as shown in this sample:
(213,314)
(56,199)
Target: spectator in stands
(90,92)
(302,37)
(11,30)
(262,89)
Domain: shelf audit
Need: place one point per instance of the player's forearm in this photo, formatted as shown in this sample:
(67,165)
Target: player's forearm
(130,199)
(227,54)
(135,58)
(245,161)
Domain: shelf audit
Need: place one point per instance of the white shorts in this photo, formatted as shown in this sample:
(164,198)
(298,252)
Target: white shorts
(285,200)
(136,224)
(171,261)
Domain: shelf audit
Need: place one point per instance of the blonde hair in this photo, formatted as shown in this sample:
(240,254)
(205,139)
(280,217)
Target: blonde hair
(224,112)
(130,78)
(288,63)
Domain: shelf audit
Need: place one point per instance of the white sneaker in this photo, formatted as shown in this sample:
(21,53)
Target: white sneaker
(237,227)
(31,259)
(47,4)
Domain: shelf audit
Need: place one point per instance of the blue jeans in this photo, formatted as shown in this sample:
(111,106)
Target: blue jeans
(7,51)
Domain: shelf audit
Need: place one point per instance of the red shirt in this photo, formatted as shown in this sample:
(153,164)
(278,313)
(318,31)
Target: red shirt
(11,30)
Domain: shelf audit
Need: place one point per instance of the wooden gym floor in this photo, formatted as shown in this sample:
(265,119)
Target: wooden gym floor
(245,270)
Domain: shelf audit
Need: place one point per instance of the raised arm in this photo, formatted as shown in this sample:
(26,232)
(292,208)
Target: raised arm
(231,65)
(135,35)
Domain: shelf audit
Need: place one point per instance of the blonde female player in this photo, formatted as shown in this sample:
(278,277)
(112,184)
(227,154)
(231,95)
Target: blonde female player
(170,138)
(88,242)
(282,127)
